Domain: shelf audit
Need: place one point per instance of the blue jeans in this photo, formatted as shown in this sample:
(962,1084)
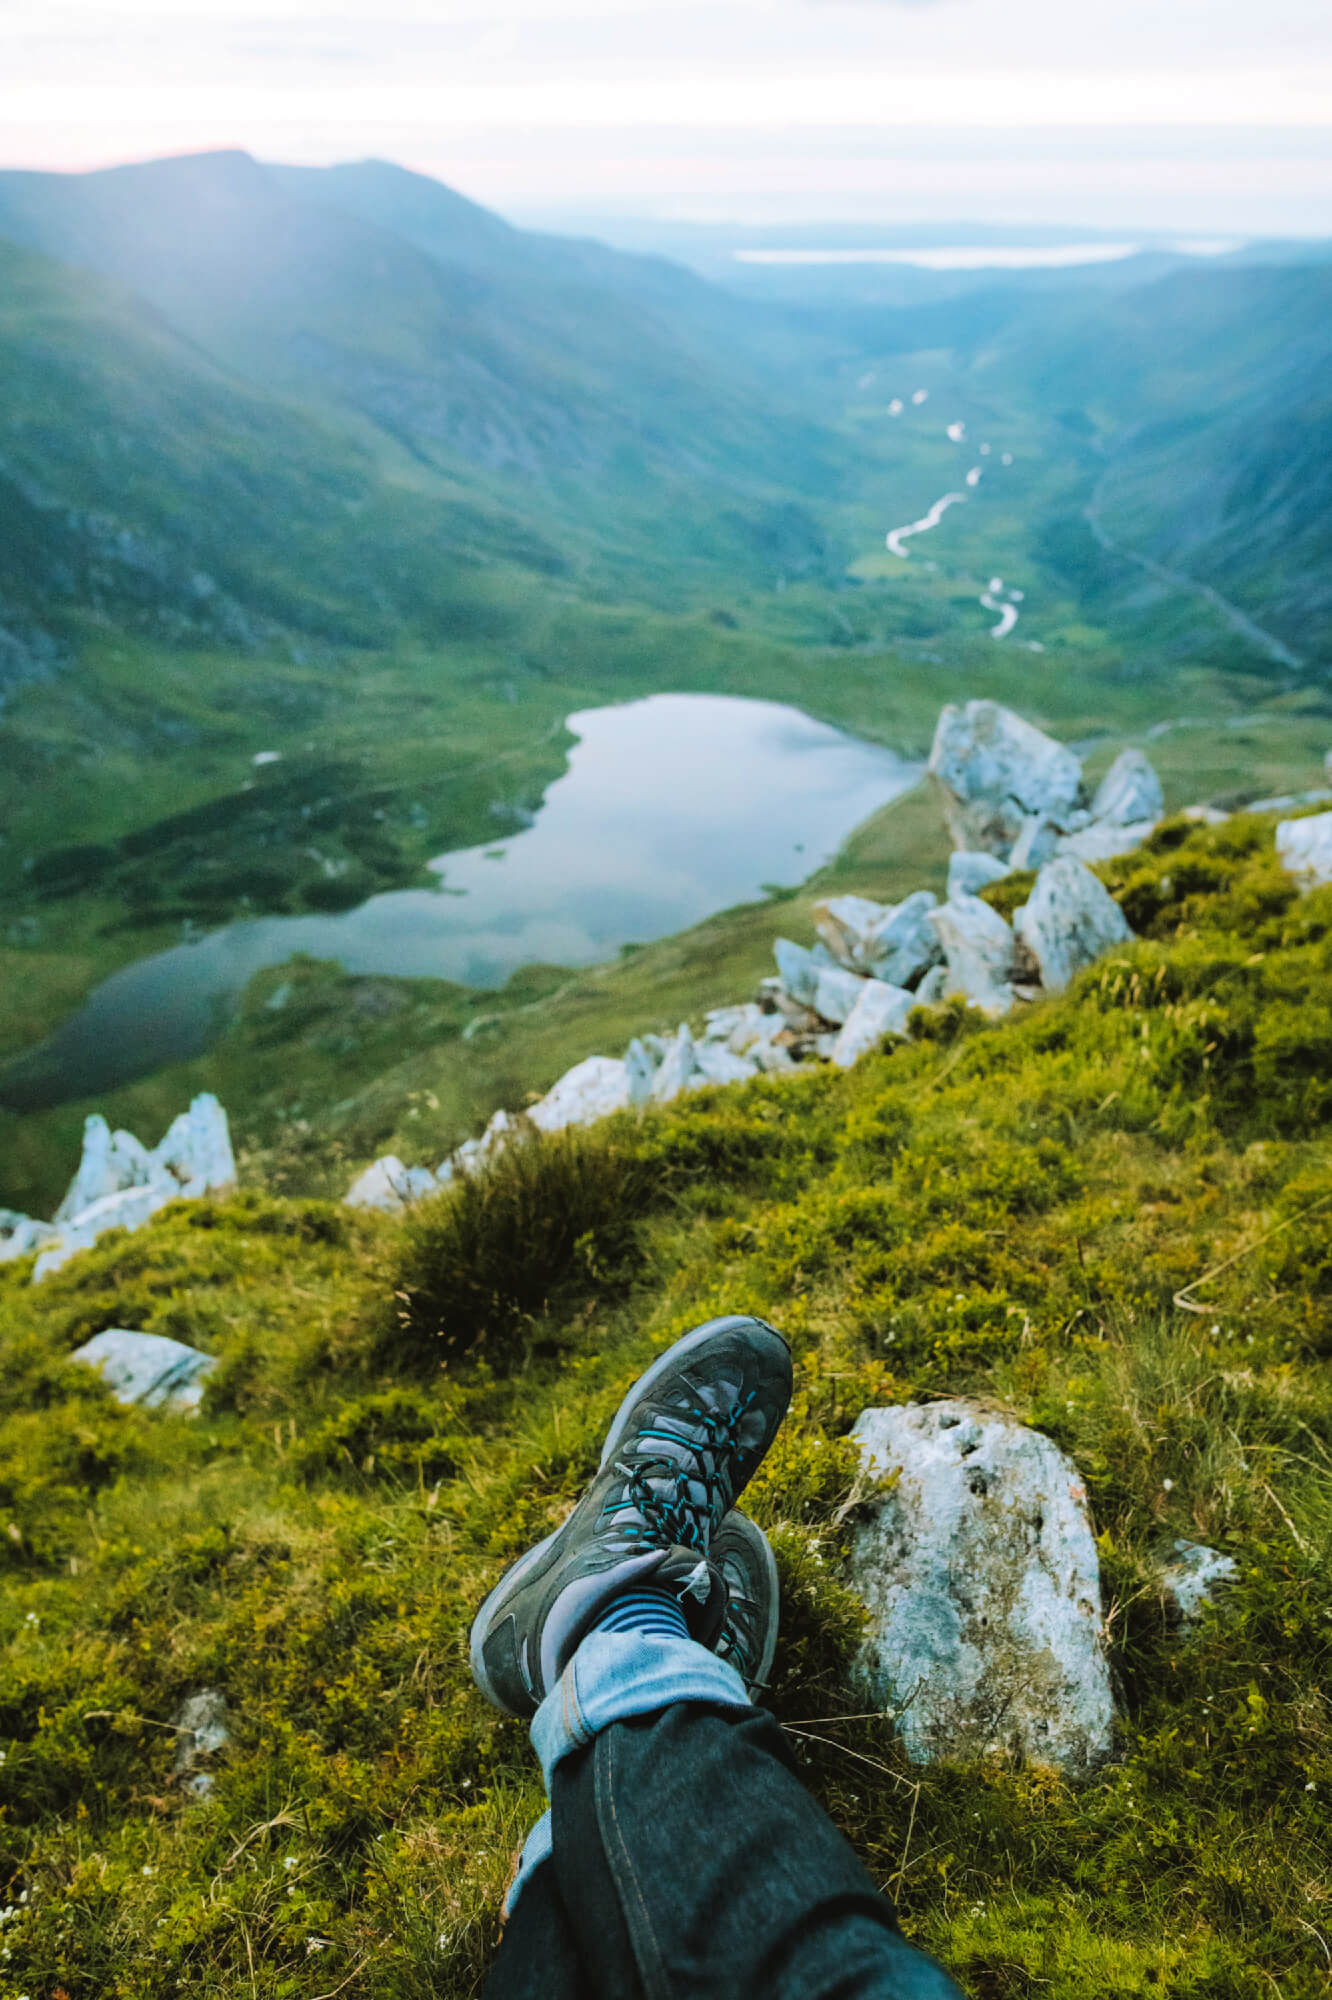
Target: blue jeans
(682,1858)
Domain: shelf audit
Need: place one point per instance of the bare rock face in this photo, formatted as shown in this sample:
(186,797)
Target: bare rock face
(994,771)
(979,947)
(980,1574)
(1071,919)
(1305,847)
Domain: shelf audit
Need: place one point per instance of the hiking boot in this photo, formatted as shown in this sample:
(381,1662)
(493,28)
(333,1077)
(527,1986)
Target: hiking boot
(684,1443)
(748,1638)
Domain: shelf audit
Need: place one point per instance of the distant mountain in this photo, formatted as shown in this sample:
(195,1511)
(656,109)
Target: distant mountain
(1209,395)
(588,378)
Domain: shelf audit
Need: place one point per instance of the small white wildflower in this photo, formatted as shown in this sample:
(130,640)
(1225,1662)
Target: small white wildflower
(289,1861)
(32,1619)
(145,1870)
(292,1890)
(314,1944)
(1168,1485)
(1310,1786)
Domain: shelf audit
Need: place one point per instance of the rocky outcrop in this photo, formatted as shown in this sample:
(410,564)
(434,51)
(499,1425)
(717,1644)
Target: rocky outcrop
(1305,847)
(1012,792)
(978,949)
(120,1184)
(147,1368)
(978,1568)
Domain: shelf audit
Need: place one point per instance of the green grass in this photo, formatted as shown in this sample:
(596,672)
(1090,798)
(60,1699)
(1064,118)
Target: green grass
(1007,1211)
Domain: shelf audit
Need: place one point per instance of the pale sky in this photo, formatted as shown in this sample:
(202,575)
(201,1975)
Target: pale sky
(1211,114)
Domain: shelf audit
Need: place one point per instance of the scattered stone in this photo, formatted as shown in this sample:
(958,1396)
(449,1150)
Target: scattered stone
(993,771)
(1190,1580)
(879,1010)
(148,1368)
(715,1063)
(980,1574)
(1129,793)
(848,925)
(978,946)
(798,970)
(111,1163)
(639,1070)
(590,1090)
(1305,847)
(970,872)
(201,1731)
(1071,919)
(1205,815)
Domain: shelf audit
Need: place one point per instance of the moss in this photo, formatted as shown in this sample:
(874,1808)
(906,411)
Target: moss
(1005,1211)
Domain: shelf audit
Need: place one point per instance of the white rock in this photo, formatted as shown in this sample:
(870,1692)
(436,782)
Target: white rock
(1071,919)
(129,1209)
(880,1010)
(1305,847)
(715,1063)
(933,987)
(720,1023)
(980,1573)
(1191,1579)
(201,1730)
(847,924)
(389,1186)
(1205,815)
(148,1368)
(1129,792)
(110,1163)
(20,1235)
(1104,839)
(1036,842)
(905,946)
(774,1058)
(836,992)
(752,1028)
(196,1151)
(639,1070)
(969,873)
(677,1069)
(993,770)
(978,946)
(798,970)
(592,1089)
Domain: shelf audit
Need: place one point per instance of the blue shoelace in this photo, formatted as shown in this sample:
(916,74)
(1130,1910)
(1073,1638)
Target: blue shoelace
(675,1518)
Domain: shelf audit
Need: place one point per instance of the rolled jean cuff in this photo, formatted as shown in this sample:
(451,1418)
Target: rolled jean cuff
(536,1848)
(613,1675)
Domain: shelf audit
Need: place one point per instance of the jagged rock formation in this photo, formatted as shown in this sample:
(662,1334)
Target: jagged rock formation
(979,1570)
(120,1184)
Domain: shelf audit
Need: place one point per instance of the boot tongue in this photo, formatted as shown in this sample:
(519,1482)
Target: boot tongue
(699,1588)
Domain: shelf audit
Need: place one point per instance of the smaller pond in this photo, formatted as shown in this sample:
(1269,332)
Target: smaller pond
(671,808)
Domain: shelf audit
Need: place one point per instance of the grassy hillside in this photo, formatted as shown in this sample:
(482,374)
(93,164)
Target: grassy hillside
(1002,1210)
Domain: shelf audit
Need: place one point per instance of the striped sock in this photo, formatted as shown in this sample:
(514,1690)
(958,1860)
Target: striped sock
(644,1610)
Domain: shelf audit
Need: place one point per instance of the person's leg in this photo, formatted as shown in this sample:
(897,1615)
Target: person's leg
(688,1857)
(691,1861)
(538,1953)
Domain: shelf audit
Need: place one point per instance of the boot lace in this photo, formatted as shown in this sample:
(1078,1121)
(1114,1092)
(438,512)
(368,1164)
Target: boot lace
(661,1489)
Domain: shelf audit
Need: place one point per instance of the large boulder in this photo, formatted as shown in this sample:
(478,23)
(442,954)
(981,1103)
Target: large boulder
(848,925)
(993,771)
(979,1570)
(978,947)
(1070,920)
(880,1010)
(1305,847)
(905,945)
(836,992)
(1129,792)
(147,1368)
